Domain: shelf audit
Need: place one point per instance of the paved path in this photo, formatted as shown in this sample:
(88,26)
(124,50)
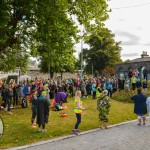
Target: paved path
(126,136)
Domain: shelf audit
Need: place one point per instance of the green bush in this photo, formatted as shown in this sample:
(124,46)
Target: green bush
(125,96)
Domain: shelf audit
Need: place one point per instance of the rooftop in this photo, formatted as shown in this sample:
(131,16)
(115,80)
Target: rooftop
(141,59)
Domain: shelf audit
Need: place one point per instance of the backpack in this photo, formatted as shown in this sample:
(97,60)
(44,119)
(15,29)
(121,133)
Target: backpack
(58,107)
(24,103)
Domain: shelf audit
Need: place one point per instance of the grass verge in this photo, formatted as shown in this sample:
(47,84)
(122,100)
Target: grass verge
(18,130)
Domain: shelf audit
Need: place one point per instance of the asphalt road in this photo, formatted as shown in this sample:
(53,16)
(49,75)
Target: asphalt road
(126,136)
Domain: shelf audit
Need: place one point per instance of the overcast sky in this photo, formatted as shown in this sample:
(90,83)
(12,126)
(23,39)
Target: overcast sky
(129,21)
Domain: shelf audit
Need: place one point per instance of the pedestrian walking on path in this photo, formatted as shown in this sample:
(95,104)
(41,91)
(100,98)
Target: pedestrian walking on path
(140,106)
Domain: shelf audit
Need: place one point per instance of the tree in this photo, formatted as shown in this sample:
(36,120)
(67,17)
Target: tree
(31,23)
(127,61)
(104,50)
(12,58)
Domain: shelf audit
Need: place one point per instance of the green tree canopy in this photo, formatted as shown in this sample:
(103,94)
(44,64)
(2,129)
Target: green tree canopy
(104,51)
(29,24)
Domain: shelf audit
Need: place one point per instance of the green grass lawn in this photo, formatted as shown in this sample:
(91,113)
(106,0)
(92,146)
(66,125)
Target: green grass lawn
(18,130)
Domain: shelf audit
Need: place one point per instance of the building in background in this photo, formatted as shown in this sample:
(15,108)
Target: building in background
(142,65)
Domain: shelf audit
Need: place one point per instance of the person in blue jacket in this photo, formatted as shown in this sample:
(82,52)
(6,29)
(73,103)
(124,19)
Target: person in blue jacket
(140,106)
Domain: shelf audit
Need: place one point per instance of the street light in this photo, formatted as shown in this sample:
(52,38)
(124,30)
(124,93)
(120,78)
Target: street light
(82,32)
(92,70)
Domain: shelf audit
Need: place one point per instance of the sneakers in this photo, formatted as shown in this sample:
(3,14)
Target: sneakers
(11,107)
(9,112)
(75,132)
(78,131)
(44,130)
(40,130)
(138,124)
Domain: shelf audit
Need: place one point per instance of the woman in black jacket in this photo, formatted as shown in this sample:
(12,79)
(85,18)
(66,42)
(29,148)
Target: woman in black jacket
(42,111)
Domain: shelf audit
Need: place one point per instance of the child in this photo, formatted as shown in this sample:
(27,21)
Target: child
(138,83)
(77,110)
(145,85)
(127,84)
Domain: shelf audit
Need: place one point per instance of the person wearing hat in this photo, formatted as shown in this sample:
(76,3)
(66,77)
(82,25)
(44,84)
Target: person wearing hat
(140,108)
(42,111)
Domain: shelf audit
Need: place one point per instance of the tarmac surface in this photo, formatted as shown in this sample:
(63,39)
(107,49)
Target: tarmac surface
(124,136)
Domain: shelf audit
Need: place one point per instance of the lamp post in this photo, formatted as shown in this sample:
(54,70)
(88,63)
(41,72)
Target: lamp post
(49,75)
(82,32)
(81,58)
(92,70)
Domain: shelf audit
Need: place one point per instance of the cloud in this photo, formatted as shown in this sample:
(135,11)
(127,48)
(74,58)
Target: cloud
(130,55)
(121,20)
(146,44)
(130,39)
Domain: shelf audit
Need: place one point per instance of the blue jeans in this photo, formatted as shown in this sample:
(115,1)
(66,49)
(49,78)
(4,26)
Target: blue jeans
(78,121)
(109,93)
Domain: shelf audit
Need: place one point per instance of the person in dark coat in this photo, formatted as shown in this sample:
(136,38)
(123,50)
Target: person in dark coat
(6,98)
(140,105)
(34,107)
(42,111)
(145,72)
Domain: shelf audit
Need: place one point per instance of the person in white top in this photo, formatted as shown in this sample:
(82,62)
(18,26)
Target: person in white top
(148,104)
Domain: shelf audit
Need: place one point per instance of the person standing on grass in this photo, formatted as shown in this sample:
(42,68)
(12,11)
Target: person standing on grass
(148,105)
(15,95)
(6,98)
(108,86)
(140,106)
(34,107)
(42,111)
(145,85)
(20,93)
(133,82)
(77,110)
(94,89)
(103,104)
(127,84)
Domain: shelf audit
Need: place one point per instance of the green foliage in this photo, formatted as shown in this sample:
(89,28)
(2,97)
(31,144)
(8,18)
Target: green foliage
(12,58)
(78,64)
(127,61)
(125,96)
(30,24)
(104,50)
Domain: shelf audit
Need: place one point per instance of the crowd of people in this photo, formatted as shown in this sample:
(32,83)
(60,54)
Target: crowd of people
(40,92)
